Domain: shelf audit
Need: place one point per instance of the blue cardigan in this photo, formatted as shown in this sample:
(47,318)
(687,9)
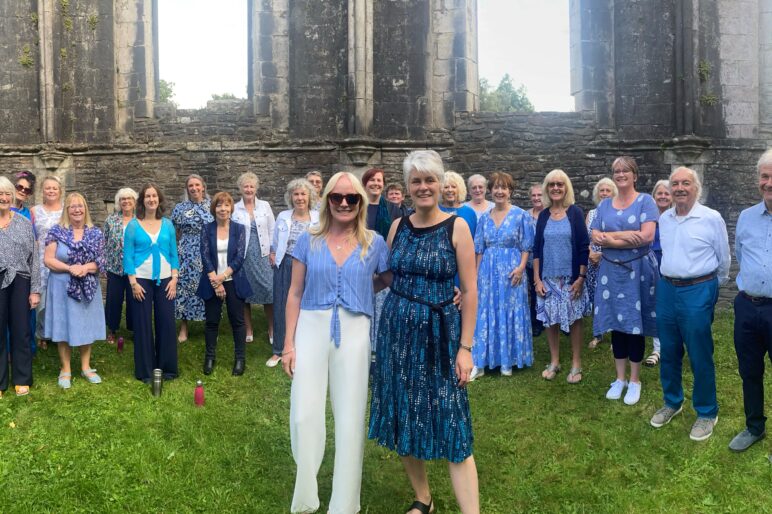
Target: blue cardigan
(580,240)
(236,251)
(137,247)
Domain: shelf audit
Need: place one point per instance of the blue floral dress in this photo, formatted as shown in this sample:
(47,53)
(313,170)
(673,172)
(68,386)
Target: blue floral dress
(625,298)
(417,407)
(189,219)
(502,336)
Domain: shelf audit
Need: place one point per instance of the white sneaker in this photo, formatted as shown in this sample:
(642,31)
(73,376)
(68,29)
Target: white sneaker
(476,373)
(615,391)
(273,361)
(506,372)
(633,393)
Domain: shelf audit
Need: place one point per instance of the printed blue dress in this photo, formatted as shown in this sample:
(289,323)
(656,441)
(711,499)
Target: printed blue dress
(189,219)
(625,298)
(417,408)
(502,336)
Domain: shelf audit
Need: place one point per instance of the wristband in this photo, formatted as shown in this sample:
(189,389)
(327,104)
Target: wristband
(465,347)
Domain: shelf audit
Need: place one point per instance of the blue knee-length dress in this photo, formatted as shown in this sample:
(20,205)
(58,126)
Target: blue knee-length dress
(417,408)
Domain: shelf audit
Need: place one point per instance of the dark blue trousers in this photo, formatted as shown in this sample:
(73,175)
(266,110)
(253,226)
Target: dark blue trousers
(752,340)
(684,319)
(118,290)
(537,327)
(213,308)
(154,346)
(14,322)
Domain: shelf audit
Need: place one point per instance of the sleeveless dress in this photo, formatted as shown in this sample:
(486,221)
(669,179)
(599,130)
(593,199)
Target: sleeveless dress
(417,407)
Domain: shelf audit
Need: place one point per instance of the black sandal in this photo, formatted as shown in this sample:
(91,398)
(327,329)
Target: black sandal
(421,507)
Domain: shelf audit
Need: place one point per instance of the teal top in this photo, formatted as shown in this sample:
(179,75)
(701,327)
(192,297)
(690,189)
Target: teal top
(138,247)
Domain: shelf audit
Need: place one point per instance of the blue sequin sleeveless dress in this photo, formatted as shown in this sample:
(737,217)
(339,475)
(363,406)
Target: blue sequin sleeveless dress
(416,407)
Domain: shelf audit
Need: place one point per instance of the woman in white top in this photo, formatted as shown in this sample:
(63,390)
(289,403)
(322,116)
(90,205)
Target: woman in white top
(478,185)
(150,260)
(46,215)
(257,218)
(290,224)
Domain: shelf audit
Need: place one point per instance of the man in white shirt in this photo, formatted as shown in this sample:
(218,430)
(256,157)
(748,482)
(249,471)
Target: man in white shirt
(753,305)
(695,261)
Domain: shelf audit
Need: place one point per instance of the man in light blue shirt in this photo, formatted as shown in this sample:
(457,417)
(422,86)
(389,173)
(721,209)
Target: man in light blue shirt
(695,261)
(753,305)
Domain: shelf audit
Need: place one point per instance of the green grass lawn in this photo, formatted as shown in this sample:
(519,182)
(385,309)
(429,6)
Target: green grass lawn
(540,446)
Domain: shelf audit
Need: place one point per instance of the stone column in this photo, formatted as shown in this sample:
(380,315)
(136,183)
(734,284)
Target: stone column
(360,67)
(46,66)
(135,57)
(270,70)
(452,72)
(592,58)
(765,67)
(739,53)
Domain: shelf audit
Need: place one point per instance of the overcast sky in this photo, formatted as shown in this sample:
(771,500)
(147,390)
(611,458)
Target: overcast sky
(204,50)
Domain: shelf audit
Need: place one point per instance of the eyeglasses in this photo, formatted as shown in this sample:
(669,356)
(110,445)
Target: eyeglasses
(550,185)
(351,198)
(22,189)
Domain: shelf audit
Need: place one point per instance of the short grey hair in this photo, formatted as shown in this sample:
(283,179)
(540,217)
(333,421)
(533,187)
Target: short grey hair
(300,183)
(124,192)
(247,177)
(423,161)
(695,178)
(660,183)
(314,173)
(6,186)
(474,177)
(764,160)
(198,177)
(596,190)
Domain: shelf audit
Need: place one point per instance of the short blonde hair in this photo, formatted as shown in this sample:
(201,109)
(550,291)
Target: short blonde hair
(300,183)
(557,174)
(247,177)
(7,186)
(53,178)
(65,219)
(451,177)
(605,181)
(363,236)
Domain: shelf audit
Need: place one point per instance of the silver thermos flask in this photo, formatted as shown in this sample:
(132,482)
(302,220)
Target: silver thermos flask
(158,382)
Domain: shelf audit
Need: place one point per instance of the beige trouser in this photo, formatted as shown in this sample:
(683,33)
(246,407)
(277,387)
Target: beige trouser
(346,368)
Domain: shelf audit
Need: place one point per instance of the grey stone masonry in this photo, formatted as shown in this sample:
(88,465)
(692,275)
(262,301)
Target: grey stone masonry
(765,66)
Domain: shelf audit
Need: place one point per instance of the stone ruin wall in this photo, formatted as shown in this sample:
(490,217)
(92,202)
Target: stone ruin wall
(78,97)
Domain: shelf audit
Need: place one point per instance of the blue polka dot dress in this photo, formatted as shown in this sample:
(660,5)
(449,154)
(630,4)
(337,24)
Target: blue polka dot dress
(625,296)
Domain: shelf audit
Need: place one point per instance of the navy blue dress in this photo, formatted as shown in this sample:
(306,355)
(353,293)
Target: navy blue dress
(417,408)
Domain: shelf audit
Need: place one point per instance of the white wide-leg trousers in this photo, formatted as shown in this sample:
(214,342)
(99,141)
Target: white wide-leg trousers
(346,369)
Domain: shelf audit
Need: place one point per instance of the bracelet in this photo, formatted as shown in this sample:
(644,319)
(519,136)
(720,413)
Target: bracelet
(583,275)
(465,347)
(287,352)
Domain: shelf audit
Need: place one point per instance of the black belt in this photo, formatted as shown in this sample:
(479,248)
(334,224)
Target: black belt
(436,308)
(624,264)
(683,282)
(756,300)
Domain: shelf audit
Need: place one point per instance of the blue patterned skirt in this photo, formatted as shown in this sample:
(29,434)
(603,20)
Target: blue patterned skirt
(558,308)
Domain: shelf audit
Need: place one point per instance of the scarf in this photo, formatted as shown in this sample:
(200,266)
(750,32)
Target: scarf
(89,249)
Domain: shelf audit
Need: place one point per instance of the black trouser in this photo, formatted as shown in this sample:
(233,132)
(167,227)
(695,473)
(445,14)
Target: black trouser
(753,339)
(628,346)
(235,306)
(14,321)
(118,289)
(536,326)
(159,352)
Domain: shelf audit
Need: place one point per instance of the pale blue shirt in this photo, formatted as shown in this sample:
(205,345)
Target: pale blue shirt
(753,247)
(350,286)
(694,245)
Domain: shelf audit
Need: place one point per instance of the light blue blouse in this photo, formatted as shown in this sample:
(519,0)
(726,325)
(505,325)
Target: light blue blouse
(138,247)
(350,286)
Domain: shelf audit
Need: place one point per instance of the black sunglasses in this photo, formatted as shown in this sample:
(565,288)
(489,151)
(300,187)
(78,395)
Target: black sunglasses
(22,189)
(351,198)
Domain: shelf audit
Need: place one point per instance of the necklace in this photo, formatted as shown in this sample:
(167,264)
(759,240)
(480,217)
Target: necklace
(5,224)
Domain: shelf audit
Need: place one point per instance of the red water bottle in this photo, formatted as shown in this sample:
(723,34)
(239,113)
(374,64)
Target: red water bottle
(120,345)
(198,395)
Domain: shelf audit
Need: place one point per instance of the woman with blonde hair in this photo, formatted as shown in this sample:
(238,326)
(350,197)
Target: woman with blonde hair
(453,194)
(257,217)
(46,215)
(561,248)
(329,308)
(604,188)
(118,287)
(74,314)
